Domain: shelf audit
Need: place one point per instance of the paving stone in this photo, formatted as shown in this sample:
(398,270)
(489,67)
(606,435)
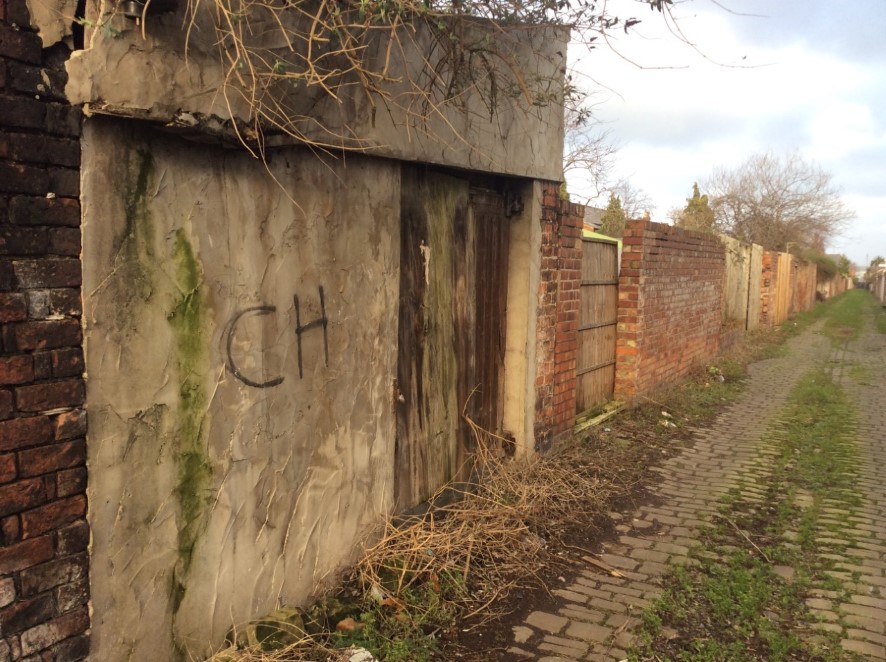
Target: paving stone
(576,613)
(652,568)
(632,541)
(852,633)
(517,653)
(786,572)
(864,648)
(546,622)
(869,612)
(589,632)
(829,627)
(571,596)
(562,645)
(650,555)
(627,590)
(671,548)
(819,603)
(621,621)
(608,605)
(864,623)
(593,594)
(620,562)
(871,601)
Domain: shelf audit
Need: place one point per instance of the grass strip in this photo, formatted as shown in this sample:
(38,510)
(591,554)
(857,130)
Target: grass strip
(743,596)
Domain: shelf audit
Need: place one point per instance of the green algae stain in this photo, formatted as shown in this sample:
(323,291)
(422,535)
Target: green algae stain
(135,265)
(138,215)
(193,489)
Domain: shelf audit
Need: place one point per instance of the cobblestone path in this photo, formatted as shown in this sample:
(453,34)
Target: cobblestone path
(596,613)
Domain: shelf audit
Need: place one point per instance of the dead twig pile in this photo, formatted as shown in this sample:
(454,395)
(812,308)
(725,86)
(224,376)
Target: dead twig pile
(455,564)
(492,538)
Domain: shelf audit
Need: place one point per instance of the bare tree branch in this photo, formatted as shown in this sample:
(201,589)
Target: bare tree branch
(777,201)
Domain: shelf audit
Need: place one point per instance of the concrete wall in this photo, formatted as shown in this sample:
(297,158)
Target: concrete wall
(240,328)
(670,305)
(180,77)
(240,357)
(44,583)
(520,363)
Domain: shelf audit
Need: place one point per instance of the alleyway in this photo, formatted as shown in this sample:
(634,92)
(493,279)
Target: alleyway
(733,462)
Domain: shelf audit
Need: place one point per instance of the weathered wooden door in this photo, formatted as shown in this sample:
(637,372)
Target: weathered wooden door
(491,289)
(453,291)
(595,367)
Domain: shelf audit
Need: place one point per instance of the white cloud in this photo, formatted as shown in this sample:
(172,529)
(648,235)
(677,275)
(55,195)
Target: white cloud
(841,128)
(804,84)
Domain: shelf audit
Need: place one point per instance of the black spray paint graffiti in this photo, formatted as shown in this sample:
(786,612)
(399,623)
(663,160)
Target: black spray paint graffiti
(258,311)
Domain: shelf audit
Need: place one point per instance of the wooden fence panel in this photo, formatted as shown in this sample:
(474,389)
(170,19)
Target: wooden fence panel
(735,294)
(595,363)
(804,287)
(784,289)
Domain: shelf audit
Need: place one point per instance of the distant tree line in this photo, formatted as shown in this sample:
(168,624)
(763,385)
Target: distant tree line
(781,202)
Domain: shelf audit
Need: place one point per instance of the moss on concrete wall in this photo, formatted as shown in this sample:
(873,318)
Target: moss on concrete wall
(193,489)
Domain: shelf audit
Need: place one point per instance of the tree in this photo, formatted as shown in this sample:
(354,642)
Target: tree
(697,215)
(625,202)
(586,147)
(778,201)
(874,268)
(635,202)
(612,223)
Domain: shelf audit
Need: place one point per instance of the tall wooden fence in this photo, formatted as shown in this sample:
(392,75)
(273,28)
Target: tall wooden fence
(595,366)
(834,286)
(741,290)
(878,286)
(788,286)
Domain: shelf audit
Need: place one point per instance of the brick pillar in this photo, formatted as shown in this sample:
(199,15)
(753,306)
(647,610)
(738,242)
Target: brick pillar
(44,586)
(629,328)
(558,311)
(768,288)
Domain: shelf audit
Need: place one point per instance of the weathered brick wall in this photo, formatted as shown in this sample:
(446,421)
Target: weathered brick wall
(558,308)
(670,303)
(768,288)
(43,531)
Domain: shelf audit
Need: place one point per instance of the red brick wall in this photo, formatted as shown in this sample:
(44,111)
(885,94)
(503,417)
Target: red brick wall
(558,304)
(670,303)
(768,287)
(43,532)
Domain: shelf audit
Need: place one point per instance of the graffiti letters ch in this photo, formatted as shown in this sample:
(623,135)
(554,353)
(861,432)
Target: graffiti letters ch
(319,324)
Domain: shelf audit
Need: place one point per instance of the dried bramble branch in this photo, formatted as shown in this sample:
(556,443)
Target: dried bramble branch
(293,62)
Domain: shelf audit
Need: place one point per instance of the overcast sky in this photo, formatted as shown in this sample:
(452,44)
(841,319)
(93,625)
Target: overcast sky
(780,75)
